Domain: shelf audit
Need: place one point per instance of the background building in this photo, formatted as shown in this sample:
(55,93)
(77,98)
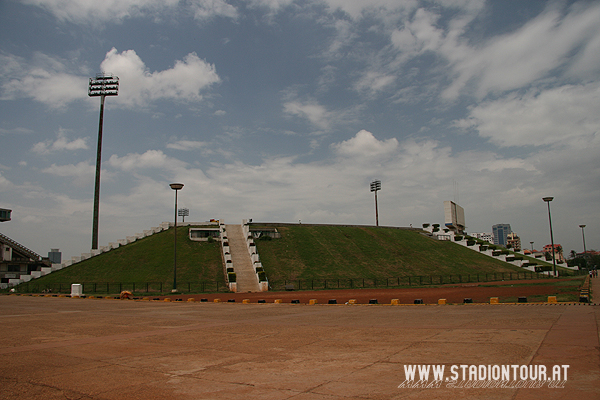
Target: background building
(5,214)
(488,237)
(17,260)
(558,252)
(454,216)
(513,241)
(500,232)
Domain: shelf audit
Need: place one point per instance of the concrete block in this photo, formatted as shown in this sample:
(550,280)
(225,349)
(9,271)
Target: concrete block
(85,256)
(441,302)
(46,270)
(217,300)
(494,300)
(352,301)
(191,300)
(277,301)
(552,299)
(395,302)
(246,301)
(122,242)
(35,274)
(312,301)
(26,278)
(76,290)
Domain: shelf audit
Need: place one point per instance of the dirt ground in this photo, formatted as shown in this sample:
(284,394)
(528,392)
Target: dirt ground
(456,293)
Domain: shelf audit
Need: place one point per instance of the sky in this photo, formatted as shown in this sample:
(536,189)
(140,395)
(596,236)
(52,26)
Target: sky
(286,110)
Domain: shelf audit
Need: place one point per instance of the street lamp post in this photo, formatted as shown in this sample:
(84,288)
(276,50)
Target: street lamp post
(531,247)
(176,187)
(376,186)
(102,85)
(548,200)
(583,235)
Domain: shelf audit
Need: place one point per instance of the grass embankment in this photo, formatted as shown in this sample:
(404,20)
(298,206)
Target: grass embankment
(316,252)
(565,290)
(147,260)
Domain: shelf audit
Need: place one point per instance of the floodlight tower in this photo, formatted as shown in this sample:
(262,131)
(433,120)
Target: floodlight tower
(183,212)
(583,234)
(376,186)
(176,187)
(102,85)
(548,200)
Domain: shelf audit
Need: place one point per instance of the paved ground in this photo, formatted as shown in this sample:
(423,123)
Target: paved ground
(61,348)
(506,291)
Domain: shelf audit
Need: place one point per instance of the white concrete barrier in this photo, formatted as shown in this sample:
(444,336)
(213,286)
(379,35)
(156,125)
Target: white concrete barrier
(76,290)
(15,281)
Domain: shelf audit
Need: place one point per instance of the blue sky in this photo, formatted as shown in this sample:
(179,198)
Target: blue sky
(282,110)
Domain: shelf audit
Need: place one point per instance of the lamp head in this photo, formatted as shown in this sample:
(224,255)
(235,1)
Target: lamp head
(582,226)
(176,186)
(548,199)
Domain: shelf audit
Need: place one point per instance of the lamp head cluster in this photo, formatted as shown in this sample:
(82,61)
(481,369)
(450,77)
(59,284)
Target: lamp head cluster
(104,85)
(375,186)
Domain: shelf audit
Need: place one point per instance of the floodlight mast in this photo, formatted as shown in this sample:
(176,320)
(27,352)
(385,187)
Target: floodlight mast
(102,85)
(376,186)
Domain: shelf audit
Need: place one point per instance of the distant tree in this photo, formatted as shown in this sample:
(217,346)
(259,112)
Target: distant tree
(573,254)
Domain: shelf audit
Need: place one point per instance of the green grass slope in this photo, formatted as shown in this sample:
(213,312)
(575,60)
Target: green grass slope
(147,260)
(338,252)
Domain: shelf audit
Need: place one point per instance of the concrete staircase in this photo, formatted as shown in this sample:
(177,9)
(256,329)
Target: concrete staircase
(242,263)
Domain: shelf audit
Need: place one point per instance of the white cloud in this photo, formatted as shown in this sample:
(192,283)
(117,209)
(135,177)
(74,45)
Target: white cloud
(187,145)
(365,144)
(315,113)
(45,79)
(80,174)
(566,115)
(183,82)
(356,8)
(96,12)
(374,81)
(51,80)
(206,9)
(526,55)
(61,143)
(149,159)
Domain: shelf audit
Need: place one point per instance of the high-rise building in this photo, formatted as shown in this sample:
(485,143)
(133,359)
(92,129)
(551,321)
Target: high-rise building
(500,232)
(513,241)
(55,256)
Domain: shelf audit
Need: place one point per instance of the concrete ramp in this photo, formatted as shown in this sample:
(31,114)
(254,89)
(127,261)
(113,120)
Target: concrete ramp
(242,263)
